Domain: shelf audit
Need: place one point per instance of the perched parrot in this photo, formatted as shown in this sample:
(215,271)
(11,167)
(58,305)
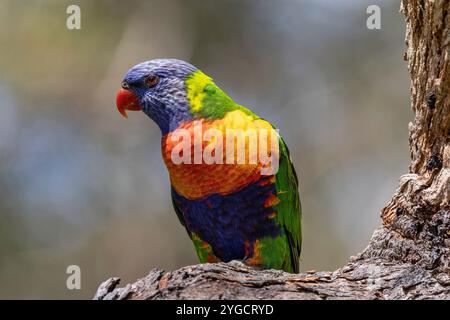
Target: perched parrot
(231,210)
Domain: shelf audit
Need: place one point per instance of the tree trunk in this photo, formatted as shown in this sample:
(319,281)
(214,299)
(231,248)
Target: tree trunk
(408,257)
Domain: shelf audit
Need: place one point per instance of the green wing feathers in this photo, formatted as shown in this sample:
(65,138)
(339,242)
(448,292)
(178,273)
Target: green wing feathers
(289,208)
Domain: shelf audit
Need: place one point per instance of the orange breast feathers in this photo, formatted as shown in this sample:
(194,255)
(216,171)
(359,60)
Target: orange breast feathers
(220,156)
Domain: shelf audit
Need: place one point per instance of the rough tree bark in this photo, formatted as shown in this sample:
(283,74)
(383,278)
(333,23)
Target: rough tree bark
(408,257)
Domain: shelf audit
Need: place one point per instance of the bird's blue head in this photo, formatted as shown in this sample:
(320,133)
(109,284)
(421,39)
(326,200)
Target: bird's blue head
(157,87)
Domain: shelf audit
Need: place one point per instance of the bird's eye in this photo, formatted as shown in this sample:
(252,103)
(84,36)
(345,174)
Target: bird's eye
(151,81)
(125,85)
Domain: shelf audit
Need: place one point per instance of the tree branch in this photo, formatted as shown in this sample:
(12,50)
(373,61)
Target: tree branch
(409,256)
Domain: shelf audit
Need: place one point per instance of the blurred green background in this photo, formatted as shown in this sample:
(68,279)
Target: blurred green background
(80,185)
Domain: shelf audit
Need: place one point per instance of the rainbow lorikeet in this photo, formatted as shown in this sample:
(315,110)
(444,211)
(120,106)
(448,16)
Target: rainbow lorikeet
(232,210)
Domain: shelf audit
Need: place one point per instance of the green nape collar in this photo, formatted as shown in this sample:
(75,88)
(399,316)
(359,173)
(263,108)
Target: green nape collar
(207,100)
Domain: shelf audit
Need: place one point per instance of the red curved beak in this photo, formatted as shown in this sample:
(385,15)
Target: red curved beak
(127,100)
